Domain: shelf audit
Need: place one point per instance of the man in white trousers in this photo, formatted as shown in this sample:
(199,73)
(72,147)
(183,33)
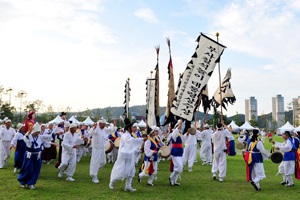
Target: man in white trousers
(219,141)
(190,149)
(124,167)
(68,155)
(6,135)
(176,154)
(98,159)
(205,150)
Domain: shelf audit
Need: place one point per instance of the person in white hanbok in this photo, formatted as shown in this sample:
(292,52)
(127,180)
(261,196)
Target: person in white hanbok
(287,166)
(190,149)
(124,167)
(98,159)
(205,150)
(6,135)
(258,153)
(219,141)
(68,157)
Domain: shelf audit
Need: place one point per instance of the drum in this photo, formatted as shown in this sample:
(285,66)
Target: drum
(164,151)
(276,157)
(108,146)
(240,146)
(117,142)
(192,131)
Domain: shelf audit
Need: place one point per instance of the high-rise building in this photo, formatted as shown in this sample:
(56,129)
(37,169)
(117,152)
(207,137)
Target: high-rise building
(278,109)
(296,111)
(250,108)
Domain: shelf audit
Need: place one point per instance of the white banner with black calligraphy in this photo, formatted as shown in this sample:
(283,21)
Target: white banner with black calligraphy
(150,110)
(196,76)
(227,93)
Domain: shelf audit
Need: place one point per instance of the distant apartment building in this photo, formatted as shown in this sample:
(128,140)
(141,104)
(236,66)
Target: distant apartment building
(250,108)
(296,111)
(278,109)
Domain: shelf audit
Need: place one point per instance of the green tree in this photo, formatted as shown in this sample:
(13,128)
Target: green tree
(263,120)
(253,121)
(7,110)
(108,115)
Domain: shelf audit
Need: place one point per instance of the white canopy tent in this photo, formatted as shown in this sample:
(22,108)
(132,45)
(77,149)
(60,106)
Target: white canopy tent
(297,129)
(142,124)
(246,126)
(88,121)
(74,120)
(56,120)
(286,127)
(233,126)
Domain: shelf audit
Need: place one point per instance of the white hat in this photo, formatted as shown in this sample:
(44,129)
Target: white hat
(36,128)
(206,126)
(66,124)
(73,125)
(135,125)
(102,121)
(8,120)
(19,126)
(5,118)
(43,125)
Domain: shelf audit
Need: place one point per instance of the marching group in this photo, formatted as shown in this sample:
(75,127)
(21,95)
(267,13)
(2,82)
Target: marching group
(36,143)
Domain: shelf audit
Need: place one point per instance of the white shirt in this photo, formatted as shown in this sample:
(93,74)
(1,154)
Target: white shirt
(205,136)
(40,139)
(18,136)
(69,141)
(100,135)
(7,134)
(219,139)
(190,139)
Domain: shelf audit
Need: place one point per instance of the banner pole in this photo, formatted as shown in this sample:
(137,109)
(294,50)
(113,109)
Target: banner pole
(221,99)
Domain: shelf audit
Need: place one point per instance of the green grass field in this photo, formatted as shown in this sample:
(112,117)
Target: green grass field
(194,185)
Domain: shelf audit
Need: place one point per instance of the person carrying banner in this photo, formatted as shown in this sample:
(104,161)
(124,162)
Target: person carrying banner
(287,166)
(219,142)
(190,149)
(254,157)
(124,166)
(205,149)
(176,154)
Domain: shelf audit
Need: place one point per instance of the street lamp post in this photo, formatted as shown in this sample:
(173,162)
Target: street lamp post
(9,90)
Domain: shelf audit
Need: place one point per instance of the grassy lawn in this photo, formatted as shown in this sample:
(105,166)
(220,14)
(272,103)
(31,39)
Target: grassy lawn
(194,185)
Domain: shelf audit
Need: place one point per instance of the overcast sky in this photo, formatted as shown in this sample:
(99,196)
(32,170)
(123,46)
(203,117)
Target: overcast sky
(79,53)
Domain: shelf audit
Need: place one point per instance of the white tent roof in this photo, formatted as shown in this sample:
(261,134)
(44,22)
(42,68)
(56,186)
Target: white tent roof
(297,129)
(56,120)
(233,125)
(286,127)
(88,121)
(246,126)
(142,124)
(74,120)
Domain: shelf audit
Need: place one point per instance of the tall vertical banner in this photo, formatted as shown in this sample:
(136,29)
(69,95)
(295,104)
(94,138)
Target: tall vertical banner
(196,76)
(150,110)
(171,88)
(127,98)
(157,87)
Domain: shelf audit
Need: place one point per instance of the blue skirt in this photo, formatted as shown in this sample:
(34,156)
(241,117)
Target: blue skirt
(19,154)
(30,170)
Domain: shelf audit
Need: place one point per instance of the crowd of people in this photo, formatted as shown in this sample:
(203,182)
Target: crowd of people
(36,143)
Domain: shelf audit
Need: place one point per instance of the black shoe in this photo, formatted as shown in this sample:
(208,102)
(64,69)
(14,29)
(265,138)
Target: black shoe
(177,184)
(283,183)
(214,178)
(254,185)
(139,180)
(287,185)
(259,189)
(150,184)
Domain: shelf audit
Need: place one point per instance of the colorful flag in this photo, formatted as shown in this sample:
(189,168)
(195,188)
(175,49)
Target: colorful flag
(226,91)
